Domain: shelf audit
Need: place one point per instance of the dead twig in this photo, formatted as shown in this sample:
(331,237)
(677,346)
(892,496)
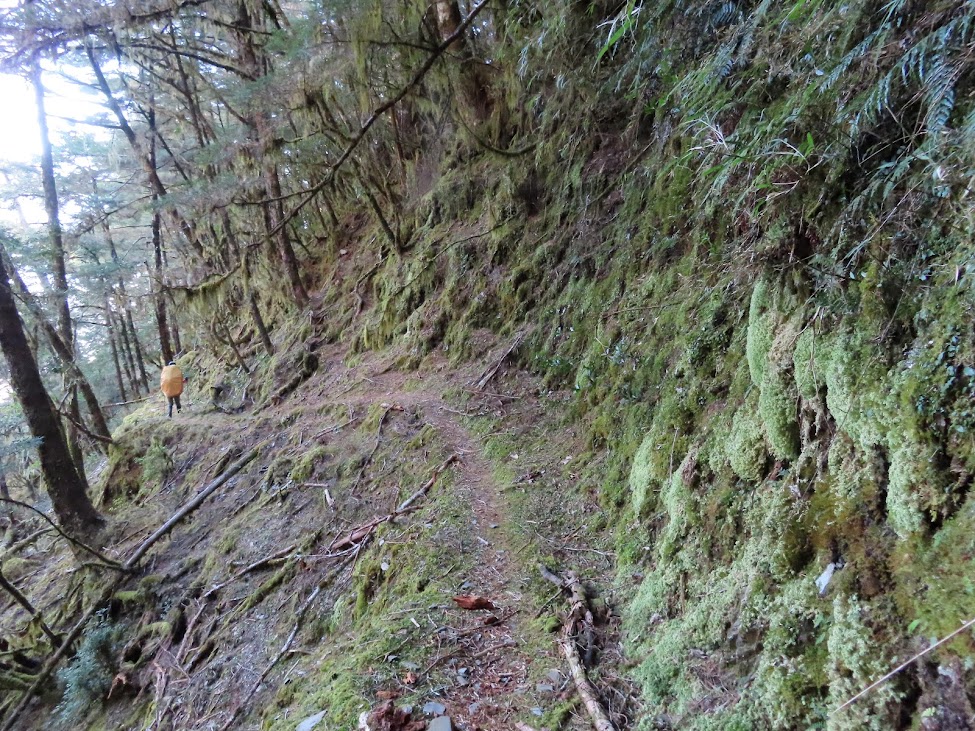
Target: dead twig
(486,651)
(109,563)
(190,507)
(262,563)
(30,609)
(22,544)
(277,658)
(903,665)
(579,622)
(286,647)
(69,639)
(487,375)
(375,448)
(365,530)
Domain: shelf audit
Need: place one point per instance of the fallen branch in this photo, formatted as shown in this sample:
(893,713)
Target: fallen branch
(579,622)
(109,563)
(288,642)
(365,530)
(481,653)
(487,375)
(129,403)
(30,609)
(190,507)
(375,448)
(262,563)
(359,136)
(75,632)
(22,544)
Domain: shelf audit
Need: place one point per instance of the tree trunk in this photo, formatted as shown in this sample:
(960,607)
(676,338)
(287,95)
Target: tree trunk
(158,293)
(174,331)
(128,360)
(65,487)
(113,344)
(61,351)
(56,240)
(51,207)
(140,361)
(474,87)
(155,182)
(254,64)
(255,309)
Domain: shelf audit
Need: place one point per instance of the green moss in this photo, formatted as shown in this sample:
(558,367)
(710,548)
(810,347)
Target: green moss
(679,504)
(808,369)
(305,467)
(917,488)
(856,659)
(156,464)
(777,405)
(642,483)
(761,330)
(856,393)
(745,446)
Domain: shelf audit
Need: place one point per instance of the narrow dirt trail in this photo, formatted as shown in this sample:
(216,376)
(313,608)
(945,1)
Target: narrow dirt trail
(486,669)
(490,663)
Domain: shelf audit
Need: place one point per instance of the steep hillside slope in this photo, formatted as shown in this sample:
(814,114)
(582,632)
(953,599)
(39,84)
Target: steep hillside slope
(723,253)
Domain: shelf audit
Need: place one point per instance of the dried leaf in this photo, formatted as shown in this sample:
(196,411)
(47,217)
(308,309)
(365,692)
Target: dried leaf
(473,601)
(388,717)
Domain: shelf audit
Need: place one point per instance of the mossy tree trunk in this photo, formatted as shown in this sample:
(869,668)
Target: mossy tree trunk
(255,65)
(67,490)
(56,242)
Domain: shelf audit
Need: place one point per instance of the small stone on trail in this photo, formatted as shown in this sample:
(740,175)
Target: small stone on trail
(432,708)
(441,723)
(309,723)
(554,675)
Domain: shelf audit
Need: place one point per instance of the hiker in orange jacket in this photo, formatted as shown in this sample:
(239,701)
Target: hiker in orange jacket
(171,382)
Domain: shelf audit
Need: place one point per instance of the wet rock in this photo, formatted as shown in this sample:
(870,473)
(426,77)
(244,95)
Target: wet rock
(823,581)
(433,708)
(309,723)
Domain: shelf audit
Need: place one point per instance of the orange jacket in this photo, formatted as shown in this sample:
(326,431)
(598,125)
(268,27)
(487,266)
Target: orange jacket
(171,381)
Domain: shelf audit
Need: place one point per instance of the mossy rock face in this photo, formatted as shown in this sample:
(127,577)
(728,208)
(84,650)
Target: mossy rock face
(856,389)
(762,322)
(856,659)
(918,489)
(306,465)
(807,362)
(642,483)
(745,445)
(679,504)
